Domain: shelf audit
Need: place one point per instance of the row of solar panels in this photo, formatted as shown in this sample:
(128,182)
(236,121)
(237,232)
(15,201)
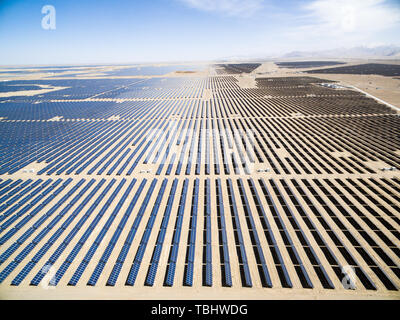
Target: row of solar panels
(27,221)
(107,88)
(106,146)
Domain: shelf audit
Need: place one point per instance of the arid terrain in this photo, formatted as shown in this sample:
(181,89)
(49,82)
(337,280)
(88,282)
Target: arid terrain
(199,181)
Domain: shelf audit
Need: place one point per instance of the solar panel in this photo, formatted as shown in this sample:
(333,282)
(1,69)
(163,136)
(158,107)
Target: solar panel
(270,187)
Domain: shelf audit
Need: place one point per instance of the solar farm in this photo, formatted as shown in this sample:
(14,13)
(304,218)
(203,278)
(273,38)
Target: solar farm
(390,70)
(207,183)
(307,64)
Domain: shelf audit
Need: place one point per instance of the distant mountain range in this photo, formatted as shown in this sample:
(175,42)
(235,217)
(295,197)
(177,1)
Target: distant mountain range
(362,52)
(356,52)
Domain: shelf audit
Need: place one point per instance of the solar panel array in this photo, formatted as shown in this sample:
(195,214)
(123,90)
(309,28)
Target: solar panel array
(196,182)
(388,70)
(236,68)
(307,64)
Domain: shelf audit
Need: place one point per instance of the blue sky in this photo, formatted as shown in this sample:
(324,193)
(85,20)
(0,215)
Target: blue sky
(121,31)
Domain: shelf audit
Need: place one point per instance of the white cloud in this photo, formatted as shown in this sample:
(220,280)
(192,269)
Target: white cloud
(244,8)
(325,24)
(347,16)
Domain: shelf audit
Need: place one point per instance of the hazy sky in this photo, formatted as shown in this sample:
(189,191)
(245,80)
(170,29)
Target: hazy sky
(99,31)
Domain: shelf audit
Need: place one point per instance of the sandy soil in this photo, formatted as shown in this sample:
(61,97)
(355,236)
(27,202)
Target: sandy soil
(198,292)
(45,89)
(385,88)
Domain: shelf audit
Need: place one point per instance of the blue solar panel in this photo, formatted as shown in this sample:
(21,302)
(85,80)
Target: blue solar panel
(188,279)
(25,220)
(264,274)
(131,235)
(38,277)
(115,237)
(303,276)
(140,252)
(246,280)
(41,235)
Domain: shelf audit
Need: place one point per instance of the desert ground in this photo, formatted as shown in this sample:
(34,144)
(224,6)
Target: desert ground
(319,157)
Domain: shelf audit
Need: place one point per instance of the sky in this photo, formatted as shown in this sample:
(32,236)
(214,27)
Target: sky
(130,31)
